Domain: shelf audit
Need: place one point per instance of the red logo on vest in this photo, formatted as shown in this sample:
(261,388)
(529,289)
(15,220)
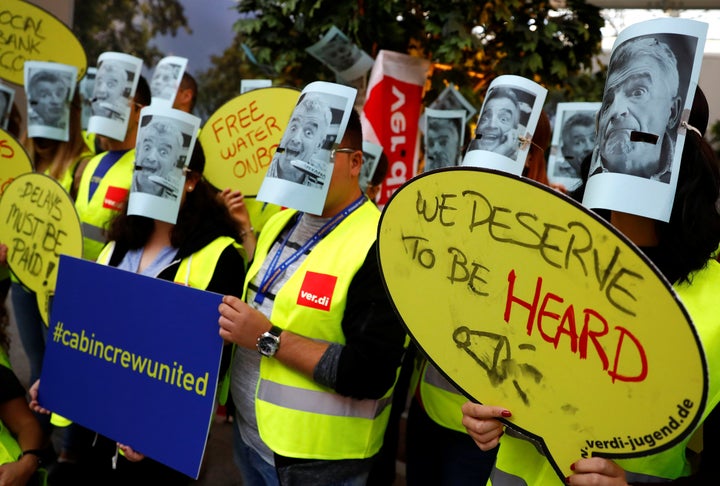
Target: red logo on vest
(114,198)
(317,290)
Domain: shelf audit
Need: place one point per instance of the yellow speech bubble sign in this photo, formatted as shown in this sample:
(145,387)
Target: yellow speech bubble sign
(14,160)
(38,223)
(526,300)
(30,33)
(240,138)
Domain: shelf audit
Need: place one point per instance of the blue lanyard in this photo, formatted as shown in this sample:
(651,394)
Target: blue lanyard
(106,163)
(274,270)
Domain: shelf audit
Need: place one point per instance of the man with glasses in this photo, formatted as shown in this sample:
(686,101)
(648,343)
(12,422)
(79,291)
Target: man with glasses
(318,344)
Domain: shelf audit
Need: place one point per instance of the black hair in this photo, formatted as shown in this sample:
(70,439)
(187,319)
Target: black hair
(353,131)
(692,235)
(200,213)
(142,92)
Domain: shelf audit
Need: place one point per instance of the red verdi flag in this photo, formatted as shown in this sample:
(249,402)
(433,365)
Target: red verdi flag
(391,114)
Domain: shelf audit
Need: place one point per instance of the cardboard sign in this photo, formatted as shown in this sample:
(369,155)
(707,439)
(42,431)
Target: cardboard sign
(38,223)
(144,356)
(240,138)
(30,33)
(526,300)
(14,160)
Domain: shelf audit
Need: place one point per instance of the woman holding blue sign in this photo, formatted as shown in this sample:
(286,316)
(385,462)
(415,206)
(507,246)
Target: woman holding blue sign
(200,250)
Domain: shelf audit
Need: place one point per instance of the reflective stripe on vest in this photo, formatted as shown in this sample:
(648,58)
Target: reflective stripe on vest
(302,418)
(94,233)
(501,478)
(104,204)
(519,458)
(316,401)
(433,377)
(441,400)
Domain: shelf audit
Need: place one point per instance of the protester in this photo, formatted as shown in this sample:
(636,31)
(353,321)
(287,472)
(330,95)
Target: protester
(204,232)
(683,250)
(57,159)
(439,449)
(21,437)
(103,184)
(342,346)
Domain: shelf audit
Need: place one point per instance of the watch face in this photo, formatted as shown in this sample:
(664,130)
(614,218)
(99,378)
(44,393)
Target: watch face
(267,345)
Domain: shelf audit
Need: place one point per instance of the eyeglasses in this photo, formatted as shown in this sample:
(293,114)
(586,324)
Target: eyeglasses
(345,150)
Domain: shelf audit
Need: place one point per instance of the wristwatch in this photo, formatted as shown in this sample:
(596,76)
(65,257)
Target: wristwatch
(269,342)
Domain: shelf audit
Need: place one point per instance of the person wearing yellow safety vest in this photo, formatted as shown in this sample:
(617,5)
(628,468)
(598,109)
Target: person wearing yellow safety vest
(100,185)
(21,437)
(201,251)
(683,249)
(58,159)
(103,184)
(438,448)
(319,347)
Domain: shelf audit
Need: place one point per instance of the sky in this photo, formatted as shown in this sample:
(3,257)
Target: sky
(211,23)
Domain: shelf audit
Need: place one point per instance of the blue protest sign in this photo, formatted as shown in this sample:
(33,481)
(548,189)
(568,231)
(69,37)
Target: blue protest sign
(135,359)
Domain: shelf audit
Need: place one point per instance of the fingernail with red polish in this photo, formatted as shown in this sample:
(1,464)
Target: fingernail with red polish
(506,413)
(572,466)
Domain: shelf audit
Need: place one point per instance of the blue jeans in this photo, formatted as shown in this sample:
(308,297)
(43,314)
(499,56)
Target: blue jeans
(253,468)
(31,327)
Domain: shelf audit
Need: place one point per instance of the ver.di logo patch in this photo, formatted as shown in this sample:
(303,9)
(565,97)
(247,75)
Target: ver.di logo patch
(317,290)
(114,197)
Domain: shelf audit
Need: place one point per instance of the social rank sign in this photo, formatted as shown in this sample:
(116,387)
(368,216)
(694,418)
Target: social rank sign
(526,300)
(14,160)
(134,358)
(38,223)
(240,138)
(30,33)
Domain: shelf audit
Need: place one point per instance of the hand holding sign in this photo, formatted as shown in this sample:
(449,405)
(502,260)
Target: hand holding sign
(38,223)
(540,307)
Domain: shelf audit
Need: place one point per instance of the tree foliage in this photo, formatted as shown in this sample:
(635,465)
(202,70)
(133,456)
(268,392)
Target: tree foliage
(126,26)
(469,42)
